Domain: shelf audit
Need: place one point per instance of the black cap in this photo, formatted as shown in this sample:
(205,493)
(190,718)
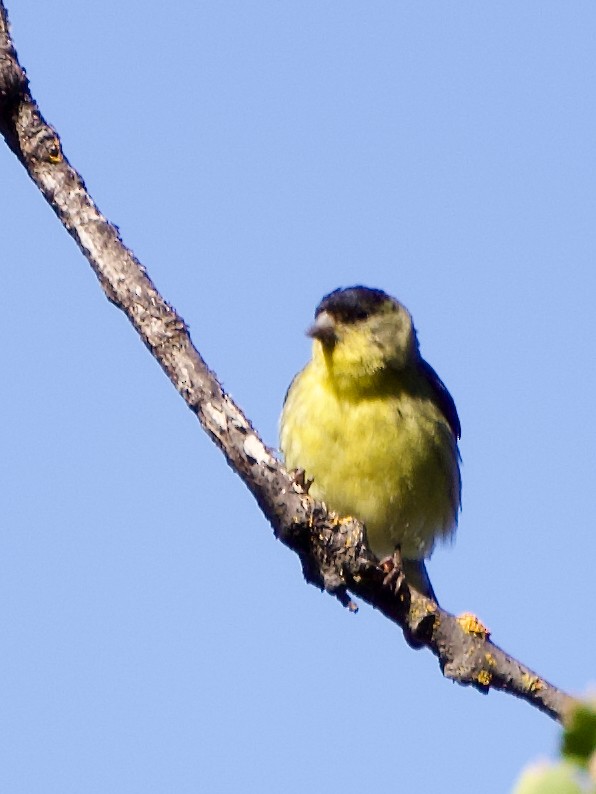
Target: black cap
(350,304)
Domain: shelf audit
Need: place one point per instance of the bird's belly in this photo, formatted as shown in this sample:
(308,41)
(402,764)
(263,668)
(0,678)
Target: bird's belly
(388,462)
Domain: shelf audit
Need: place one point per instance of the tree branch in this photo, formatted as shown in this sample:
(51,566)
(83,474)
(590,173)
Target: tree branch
(332,550)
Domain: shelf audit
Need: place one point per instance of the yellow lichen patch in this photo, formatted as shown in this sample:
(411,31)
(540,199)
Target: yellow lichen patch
(532,682)
(484,677)
(339,521)
(472,625)
(342,521)
(490,659)
(54,153)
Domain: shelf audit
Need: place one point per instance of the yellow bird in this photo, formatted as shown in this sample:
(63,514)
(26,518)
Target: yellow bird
(374,427)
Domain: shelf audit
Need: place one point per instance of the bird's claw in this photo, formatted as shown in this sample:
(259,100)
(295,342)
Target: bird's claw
(392,567)
(300,479)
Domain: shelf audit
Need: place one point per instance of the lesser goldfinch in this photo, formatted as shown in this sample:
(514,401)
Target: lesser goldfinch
(374,427)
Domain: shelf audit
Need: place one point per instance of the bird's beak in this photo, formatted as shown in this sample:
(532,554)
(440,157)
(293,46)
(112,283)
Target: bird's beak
(323,329)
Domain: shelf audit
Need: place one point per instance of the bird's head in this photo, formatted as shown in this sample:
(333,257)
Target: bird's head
(359,333)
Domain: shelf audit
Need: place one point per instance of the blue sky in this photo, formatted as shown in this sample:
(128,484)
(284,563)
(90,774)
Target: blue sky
(156,638)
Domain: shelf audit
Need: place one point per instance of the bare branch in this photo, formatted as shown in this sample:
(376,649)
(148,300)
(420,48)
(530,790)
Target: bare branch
(333,551)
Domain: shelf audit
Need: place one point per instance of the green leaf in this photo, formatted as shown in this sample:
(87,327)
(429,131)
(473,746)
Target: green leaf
(548,779)
(579,736)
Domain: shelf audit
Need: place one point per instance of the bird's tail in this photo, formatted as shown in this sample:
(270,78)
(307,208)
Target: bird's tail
(417,576)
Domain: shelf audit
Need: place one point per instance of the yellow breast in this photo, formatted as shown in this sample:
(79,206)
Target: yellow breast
(387,457)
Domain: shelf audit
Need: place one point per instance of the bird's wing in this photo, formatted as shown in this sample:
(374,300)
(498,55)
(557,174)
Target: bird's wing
(291,386)
(444,399)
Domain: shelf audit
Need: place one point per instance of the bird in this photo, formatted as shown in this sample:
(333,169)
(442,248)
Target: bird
(374,430)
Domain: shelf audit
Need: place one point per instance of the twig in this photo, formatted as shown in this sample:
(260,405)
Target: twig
(333,552)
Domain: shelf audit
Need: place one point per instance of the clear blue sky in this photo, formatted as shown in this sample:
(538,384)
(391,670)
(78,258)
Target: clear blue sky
(255,155)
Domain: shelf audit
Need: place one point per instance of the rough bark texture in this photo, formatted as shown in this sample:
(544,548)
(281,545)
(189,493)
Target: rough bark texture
(332,550)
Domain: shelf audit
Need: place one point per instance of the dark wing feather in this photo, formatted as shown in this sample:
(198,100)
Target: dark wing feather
(444,399)
(289,389)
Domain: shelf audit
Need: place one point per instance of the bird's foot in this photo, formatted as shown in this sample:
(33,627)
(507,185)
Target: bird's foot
(300,479)
(392,567)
